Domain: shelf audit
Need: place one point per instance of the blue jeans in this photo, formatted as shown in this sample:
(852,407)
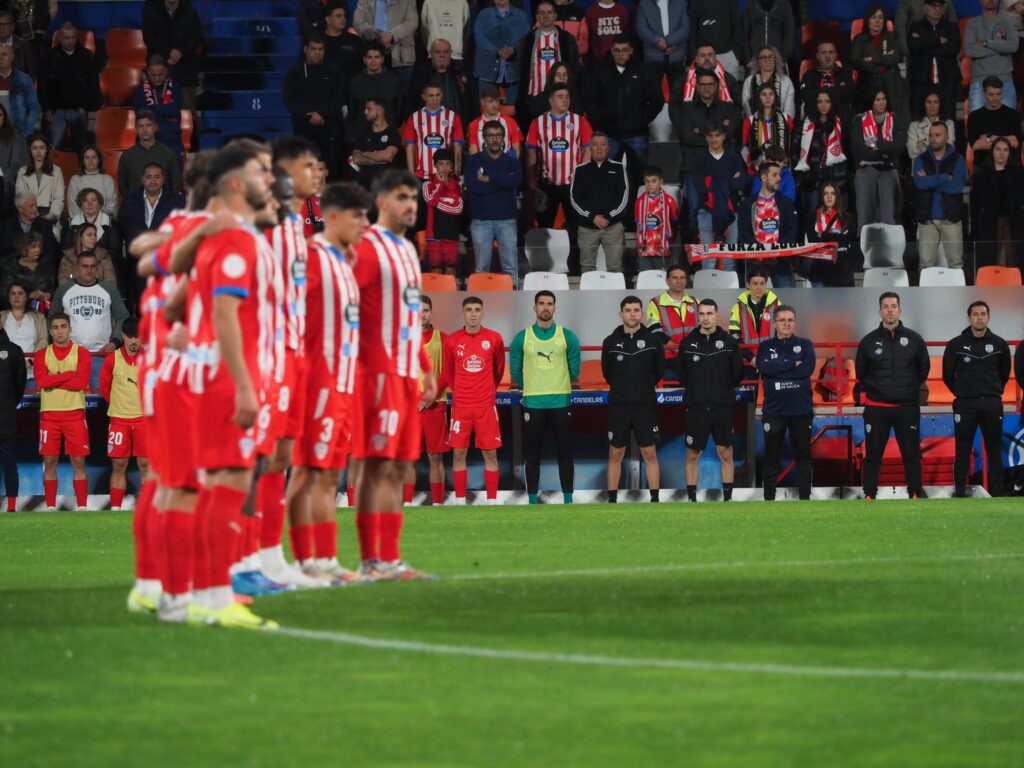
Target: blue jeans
(64,119)
(707,237)
(976,96)
(484,233)
(636,148)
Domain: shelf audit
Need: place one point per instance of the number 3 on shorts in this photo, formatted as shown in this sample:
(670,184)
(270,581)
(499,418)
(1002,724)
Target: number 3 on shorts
(388,422)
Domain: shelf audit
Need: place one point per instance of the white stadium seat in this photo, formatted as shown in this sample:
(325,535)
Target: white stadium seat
(879,277)
(651,279)
(598,280)
(547,250)
(710,279)
(931,276)
(883,245)
(545,281)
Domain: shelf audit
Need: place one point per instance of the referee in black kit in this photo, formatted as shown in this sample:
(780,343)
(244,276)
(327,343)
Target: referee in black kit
(976,367)
(786,363)
(892,363)
(710,367)
(632,362)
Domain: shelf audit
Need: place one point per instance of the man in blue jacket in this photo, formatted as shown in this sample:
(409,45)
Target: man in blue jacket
(22,101)
(664,46)
(786,362)
(492,178)
(499,31)
(940,175)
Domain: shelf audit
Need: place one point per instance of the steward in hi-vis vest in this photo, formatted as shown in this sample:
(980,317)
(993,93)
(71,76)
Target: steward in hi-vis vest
(672,315)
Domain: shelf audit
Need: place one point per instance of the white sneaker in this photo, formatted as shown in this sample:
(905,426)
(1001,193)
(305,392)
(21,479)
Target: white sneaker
(295,577)
(339,575)
(174,608)
(460,501)
(492,502)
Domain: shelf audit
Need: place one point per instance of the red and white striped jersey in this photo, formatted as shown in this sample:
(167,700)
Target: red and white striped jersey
(512,133)
(237,262)
(314,219)
(429,132)
(543,56)
(560,141)
(332,336)
(654,215)
(288,240)
(387,270)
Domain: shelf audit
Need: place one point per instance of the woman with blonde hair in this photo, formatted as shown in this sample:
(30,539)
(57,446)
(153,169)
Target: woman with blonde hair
(768,67)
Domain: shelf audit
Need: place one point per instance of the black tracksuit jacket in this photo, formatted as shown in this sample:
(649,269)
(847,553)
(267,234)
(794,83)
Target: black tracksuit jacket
(709,367)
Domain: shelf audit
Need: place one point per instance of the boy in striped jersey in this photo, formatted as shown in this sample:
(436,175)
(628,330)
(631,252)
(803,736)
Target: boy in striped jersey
(490,109)
(656,213)
(429,129)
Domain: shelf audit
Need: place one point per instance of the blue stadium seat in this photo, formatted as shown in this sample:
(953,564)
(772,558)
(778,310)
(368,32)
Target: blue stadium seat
(254,25)
(285,44)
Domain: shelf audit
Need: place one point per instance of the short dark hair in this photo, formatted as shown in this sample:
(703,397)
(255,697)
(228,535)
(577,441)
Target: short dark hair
(708,303)
(785,308)
(145,114)
(292,148)
(764,168)
(373,45)
(490,92)
(345,196)
(392,179)
(228,160)
(707,73)
(889,295)
(196,179)
(630,300)
(978,303)
(130,327)
(539,3)
(541,294)
(623,39)
(424,299)
(86,255)
(677,268)
(432,83)
(86,191)
(991,82)
(18,283)
(472,300)
(653,170)
(159,167)
(713,126)
(443,155)
(333,5)
(554,88)
(492,125)
(156,60)
(316,37)
(758,270)
(81,158)
(57,316)
(940,124)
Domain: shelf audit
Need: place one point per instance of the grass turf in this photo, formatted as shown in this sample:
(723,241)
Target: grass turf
(893,585)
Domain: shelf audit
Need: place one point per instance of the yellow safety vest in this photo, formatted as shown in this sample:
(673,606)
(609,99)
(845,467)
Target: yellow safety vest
(435,351)
(125,400)
(545,364)
(55,400)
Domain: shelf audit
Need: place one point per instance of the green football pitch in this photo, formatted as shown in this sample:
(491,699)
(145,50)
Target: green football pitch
(744,634)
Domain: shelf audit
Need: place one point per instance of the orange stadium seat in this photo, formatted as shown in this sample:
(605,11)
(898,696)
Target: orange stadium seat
(68,164)
(119,84)
(997,276)
(965,72)
(115,128)
(591,376)
(938,392)
(439,283)
(815,32)
(86,39)
(488,281)
(186,129)
(125,48)
(806,66)
(963,30)
(111,159)
(857,26)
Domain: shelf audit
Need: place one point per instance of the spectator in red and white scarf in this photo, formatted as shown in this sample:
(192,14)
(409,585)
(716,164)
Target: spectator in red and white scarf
(876,142)
(830,223)
(820,153)
(161,96)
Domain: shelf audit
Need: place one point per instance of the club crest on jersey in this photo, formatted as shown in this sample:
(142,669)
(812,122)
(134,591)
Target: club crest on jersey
(320,449)
(485,344)
(989,348)
(619,358)
(719,344)
(904,341)
(558,144)
(696,358)
(767,427)
(85,311)
(380,442)
(246,446)
(689,439)
(798,349)
(641,344)
(233,266)
(3,354)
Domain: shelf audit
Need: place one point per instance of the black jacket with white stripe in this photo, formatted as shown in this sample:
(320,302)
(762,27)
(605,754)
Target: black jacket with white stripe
(976,366)
(599,189)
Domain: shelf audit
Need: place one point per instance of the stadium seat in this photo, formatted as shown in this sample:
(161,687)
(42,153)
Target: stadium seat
(68,164)
(126,48)
(938,392)
(997,276)
(547,250)
(819,392)
(591,376)
(434,283)
(965,74)
(86,39)
(186,129)
(857,26)
(651,279)
(931,276)
(883,245)
(546,281)
(816,31)
(806,66)
(111,159)
(488,281)
(118,85)
(660,129)
(599,280)
(970,161)
(115,128)
(963,29)
(880,277)
(710,279)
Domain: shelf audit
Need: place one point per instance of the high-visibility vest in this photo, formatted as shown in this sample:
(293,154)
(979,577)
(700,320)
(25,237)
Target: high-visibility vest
(676,318)
(125,400)
(742,318)
(435,351)
(545,364)
(54,400)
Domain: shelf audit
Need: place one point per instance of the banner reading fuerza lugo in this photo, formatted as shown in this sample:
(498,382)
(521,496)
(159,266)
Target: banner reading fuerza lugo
(759,251)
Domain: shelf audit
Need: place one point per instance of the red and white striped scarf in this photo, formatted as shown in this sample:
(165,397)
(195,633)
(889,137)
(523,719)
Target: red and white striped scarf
(690,88)
(653,215)
(833,154)
(870,127)
(832,224)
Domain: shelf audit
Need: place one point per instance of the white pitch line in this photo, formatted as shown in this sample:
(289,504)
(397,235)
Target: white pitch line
(942,675)
(734,564)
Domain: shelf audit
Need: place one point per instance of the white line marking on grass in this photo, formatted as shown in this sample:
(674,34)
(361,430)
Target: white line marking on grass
(942,675)
(728,565)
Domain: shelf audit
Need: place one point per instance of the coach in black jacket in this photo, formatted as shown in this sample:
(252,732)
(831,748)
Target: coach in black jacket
(892,364)
(709,366)
(600,196)
(12,387)
(632,362)
(976,367)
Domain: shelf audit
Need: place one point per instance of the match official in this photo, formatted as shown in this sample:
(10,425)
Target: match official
(632,362)
(709,366)
(544,361)
(786,362)
(976,367)
(892,363)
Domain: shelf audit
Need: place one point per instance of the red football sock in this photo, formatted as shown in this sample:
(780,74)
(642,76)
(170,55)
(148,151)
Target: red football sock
(117,497)
(459,479)
(146,525)
(390,533)
(50,492)
(325,538)
(270,501)
(491,481)
(251,542)
(224,532)
(177,539)
(200,541)
(12,503)
(368,530)
(350,492)
(301,537)
(409,490)
(81,493)
(437,493)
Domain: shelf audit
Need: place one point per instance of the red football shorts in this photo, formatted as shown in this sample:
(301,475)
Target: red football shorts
(219,443)
(291,400)
(435,428)
(172,449)
(442,254)
(385,418)
(69,425)
(481,422)
(127,438)
(324,441)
